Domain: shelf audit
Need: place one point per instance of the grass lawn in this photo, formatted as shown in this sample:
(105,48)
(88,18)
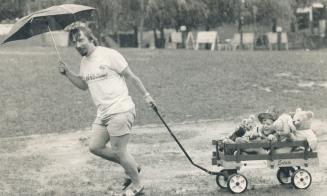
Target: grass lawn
(187,86)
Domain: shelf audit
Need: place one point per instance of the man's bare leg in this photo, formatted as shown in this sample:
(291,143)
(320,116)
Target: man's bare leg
(126,160)
(97,145)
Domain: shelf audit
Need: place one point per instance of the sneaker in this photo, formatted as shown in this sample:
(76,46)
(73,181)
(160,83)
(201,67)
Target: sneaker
(128,181)
(133,191)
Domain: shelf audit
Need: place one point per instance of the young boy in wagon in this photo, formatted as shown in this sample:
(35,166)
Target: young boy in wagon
(272,128)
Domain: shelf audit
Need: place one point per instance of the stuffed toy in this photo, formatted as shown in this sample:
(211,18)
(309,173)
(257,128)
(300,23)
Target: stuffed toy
(284,127)
(302,121)
(249,123)
(241,133)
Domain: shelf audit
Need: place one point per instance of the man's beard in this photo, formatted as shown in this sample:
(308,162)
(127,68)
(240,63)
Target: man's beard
(82,52)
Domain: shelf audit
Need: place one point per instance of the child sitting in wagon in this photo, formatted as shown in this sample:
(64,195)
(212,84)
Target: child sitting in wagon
(276,127)
(273,127)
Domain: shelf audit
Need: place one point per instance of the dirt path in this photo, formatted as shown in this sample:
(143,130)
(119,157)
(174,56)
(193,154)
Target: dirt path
(60,164)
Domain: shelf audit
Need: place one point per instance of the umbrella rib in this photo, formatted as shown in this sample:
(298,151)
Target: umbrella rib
(45,11)
(69,12)
(54,43)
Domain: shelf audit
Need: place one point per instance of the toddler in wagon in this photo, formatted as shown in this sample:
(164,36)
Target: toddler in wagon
(276,127)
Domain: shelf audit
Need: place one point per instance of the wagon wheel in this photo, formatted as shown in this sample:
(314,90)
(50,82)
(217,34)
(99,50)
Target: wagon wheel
(301,179)
(237,183)
(284,175)
(221,180)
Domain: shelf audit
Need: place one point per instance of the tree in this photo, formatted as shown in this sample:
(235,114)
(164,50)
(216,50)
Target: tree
(108,12)
(281,10)
(132,16)
(221,11)
(192,13)
(11,9)
(173,14)
(158,16)
(117,15)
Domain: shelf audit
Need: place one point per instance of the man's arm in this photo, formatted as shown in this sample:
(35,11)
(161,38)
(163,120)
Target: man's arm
(129,75)
(73,78)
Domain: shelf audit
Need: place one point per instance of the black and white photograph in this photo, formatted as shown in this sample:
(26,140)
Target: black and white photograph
(163,97)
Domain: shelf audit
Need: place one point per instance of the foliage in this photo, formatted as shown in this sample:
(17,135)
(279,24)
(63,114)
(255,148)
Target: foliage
(116,15)
(131,14)
(108,12)
(124,15)
(192,14)
(10,9)
(274,9)
(157,13)
(174,13)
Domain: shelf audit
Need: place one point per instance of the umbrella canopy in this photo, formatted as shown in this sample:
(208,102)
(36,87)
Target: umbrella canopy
(49,19)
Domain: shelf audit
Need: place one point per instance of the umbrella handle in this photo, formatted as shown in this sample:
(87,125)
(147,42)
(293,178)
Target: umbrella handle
(54,43)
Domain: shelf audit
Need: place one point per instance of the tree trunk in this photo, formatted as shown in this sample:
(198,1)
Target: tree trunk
(140,39)
(135,40)
(162,38)
(155,37)
(115,27)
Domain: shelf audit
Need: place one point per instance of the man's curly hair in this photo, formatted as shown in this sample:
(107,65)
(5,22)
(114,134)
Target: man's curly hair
(76,29)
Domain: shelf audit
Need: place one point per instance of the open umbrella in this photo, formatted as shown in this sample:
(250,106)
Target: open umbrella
(47,20)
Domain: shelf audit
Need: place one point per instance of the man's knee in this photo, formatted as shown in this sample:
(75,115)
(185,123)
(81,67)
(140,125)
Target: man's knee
(119,152)
(99,139)
(95,149)
(119,146)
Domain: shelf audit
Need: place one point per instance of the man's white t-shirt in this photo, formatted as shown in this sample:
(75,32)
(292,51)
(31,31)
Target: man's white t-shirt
(102,72)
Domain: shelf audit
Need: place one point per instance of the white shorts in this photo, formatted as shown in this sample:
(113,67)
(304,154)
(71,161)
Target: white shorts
(116,124)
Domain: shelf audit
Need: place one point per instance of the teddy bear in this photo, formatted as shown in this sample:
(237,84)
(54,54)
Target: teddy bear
(284,127)
(302,121)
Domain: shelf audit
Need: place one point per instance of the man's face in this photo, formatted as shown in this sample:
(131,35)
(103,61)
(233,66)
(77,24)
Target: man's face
(82,44)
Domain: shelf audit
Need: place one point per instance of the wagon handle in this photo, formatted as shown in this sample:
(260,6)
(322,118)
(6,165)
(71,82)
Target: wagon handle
(155,109)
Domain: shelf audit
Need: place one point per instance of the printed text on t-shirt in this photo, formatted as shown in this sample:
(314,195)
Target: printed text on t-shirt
(97,76)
